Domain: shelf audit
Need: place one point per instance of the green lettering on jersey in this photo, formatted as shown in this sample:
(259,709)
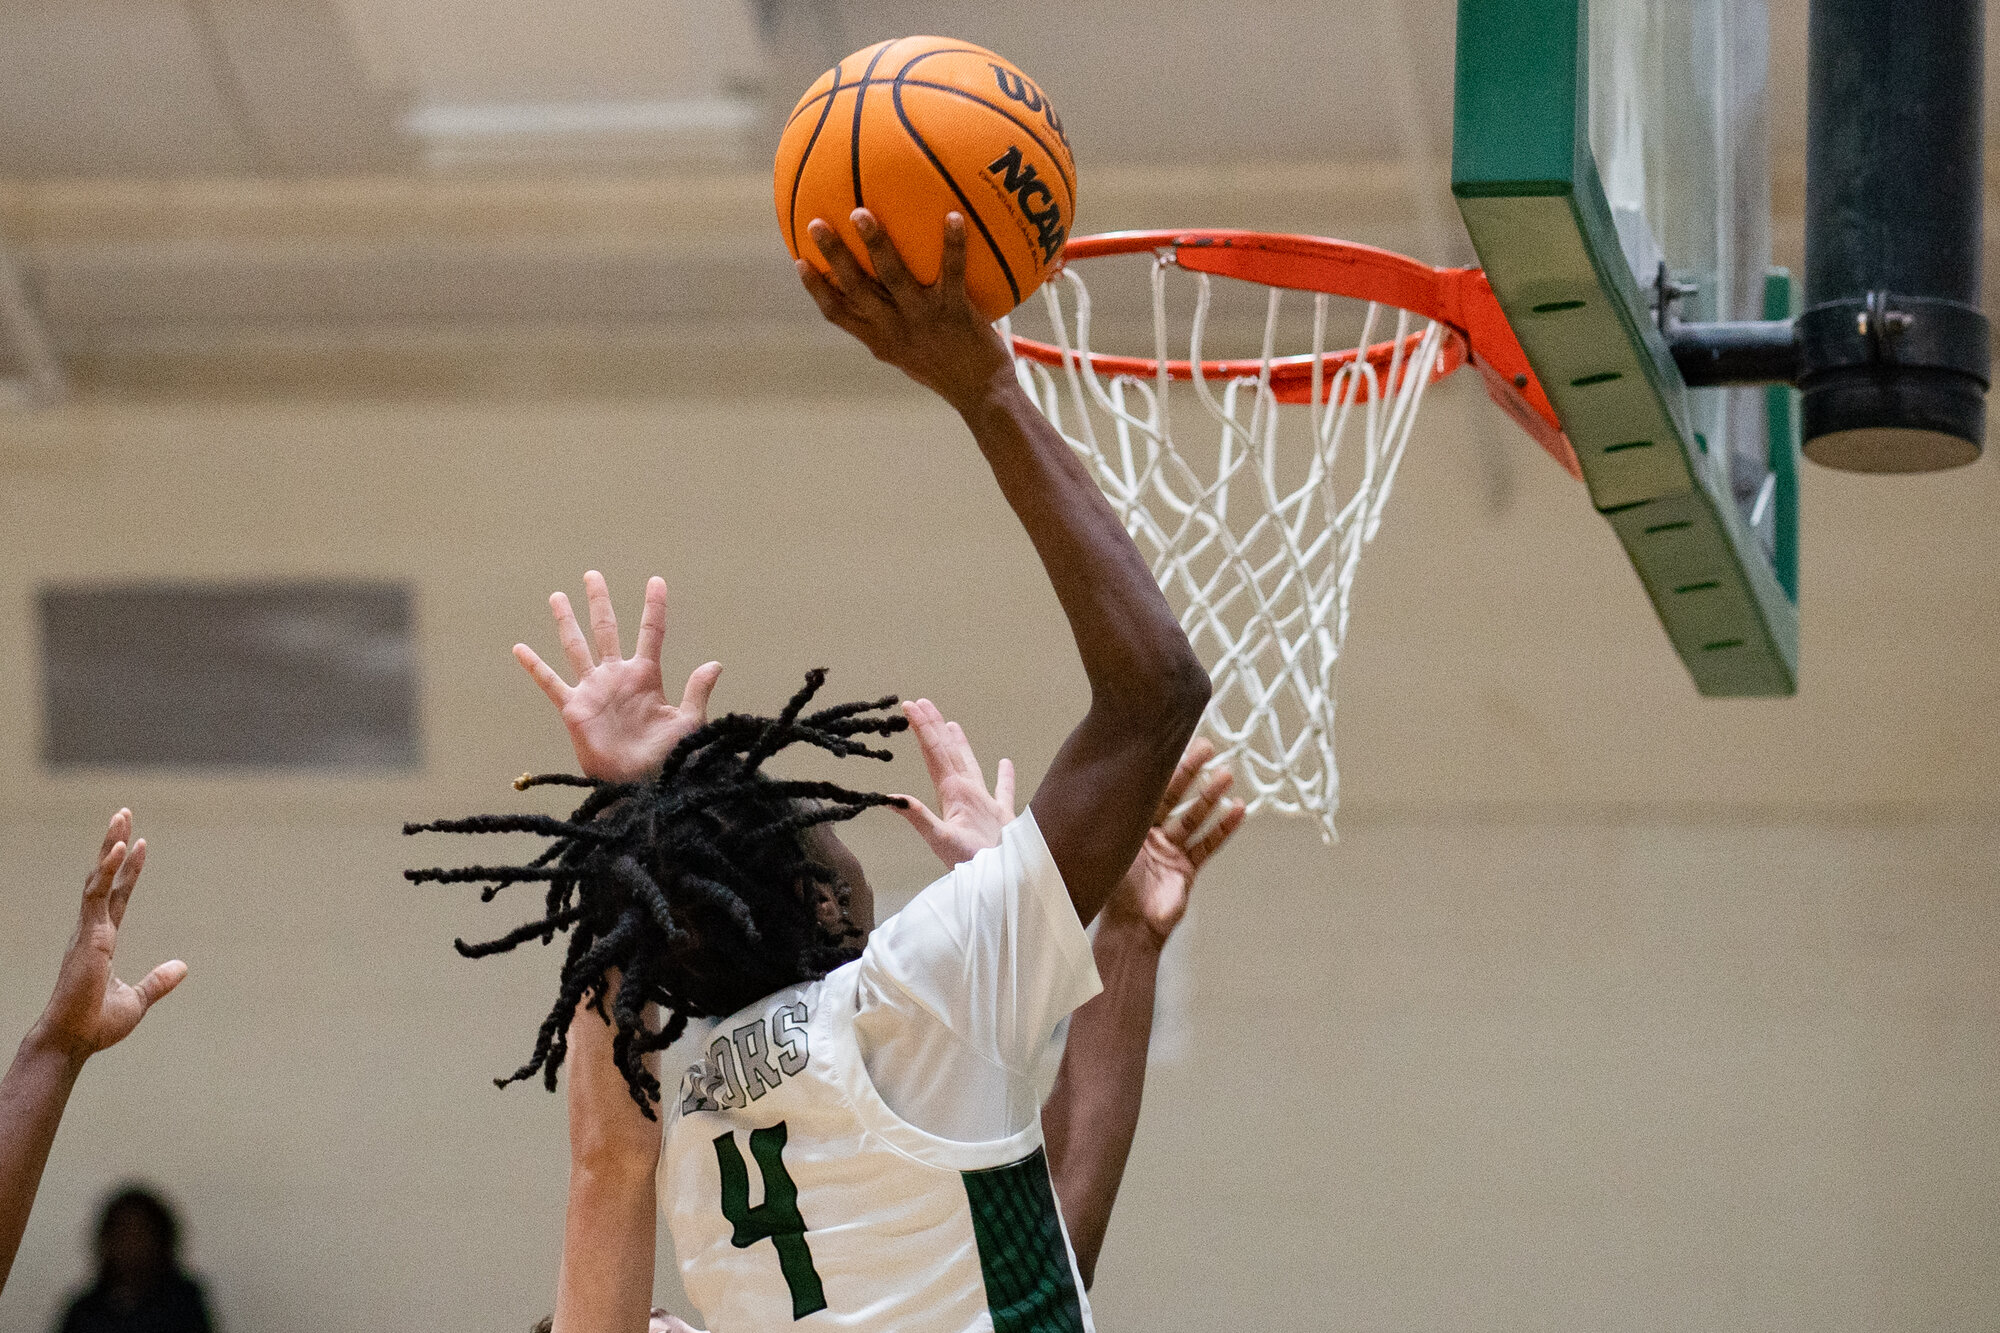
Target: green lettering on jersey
(776,1219)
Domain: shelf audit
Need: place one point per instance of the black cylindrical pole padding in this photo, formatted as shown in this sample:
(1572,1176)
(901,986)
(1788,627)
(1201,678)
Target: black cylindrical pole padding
(1895,179)
(1893,185)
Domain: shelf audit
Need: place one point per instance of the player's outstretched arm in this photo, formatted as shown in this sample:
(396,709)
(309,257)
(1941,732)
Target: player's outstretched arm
(90,1010)
(619,721)
(606,1281)
(1093,1111)
(1147,688)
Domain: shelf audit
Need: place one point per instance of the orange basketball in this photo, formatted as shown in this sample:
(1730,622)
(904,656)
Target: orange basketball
(918,127)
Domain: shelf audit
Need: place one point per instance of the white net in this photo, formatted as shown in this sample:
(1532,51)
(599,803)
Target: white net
(1253,512)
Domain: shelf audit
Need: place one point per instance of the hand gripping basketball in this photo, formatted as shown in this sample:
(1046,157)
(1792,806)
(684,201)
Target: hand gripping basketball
(917,127)
(930,333)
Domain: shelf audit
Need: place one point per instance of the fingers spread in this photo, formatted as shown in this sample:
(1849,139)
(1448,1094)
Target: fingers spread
(125,881)
(830,302)
(846,274)
(963,760)
(882,253)
(567,630)
(544,674)
(932,740)
(653,621)
(1211,842)
(694,699)
(1199,751)
(1003,787)
(1189,820)
(120,830)
(603,623)
(162,979)
(97,888)
(920,816)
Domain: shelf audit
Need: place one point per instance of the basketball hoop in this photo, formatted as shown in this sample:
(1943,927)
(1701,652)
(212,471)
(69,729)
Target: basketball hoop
(1254,508)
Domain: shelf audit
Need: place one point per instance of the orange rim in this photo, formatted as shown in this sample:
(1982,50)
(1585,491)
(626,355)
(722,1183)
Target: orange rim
(1461,299)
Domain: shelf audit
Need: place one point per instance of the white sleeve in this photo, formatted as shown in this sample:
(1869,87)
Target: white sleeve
(993,950)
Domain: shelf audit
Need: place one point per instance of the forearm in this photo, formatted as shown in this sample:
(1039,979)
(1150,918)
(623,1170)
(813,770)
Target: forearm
(1133,650)
(606,1285)
(1093,1111)
(32,1097)
(1147,688)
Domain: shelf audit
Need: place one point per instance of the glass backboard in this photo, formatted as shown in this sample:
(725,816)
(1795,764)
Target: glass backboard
(1679,127)
(1610,158)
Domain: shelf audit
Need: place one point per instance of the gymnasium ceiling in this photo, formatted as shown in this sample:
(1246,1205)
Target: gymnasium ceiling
(193,87)
(284,192)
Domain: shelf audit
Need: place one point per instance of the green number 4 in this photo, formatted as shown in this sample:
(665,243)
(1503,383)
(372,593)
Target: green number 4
(776,1219)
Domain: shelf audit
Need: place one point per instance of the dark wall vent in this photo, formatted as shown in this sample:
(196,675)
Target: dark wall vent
(287,675)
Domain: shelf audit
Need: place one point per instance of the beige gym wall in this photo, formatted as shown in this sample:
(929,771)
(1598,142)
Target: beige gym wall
(1613,1009)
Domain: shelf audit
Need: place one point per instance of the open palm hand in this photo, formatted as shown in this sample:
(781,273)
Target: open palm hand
(1155,890)
(617,714)
(91,1008)
(969,818)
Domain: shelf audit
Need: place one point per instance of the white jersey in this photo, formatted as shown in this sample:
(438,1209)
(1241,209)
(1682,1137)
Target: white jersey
(796,1194)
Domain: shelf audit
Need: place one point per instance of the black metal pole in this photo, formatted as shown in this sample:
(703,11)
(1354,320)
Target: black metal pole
(1894,349)
(1760,351)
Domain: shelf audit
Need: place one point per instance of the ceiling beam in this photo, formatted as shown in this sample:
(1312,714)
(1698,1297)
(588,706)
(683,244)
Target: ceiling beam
(393,284)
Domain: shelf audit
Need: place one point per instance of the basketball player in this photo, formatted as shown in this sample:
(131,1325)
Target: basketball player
(1090,1118)
(90,1011)
(887,1094)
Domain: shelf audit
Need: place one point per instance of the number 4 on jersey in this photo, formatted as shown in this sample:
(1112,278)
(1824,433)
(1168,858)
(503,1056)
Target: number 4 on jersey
(776,1219)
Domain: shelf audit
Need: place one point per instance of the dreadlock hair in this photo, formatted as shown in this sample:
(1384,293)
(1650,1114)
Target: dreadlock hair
(697,884)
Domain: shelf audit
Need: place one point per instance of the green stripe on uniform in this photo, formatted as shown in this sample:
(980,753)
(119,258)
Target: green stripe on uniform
(1030,1287)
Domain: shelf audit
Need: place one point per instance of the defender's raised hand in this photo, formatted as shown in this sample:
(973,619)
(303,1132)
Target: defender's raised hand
(617,714)
(932,334)
(968,818)
(91,1008)
(1093,1111)
(1155,890)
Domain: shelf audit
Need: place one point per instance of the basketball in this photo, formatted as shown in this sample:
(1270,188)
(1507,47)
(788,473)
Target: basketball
(915,128)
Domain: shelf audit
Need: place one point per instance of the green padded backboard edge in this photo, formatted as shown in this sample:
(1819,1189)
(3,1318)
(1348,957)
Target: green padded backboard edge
(1785,426)
(1527,186)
